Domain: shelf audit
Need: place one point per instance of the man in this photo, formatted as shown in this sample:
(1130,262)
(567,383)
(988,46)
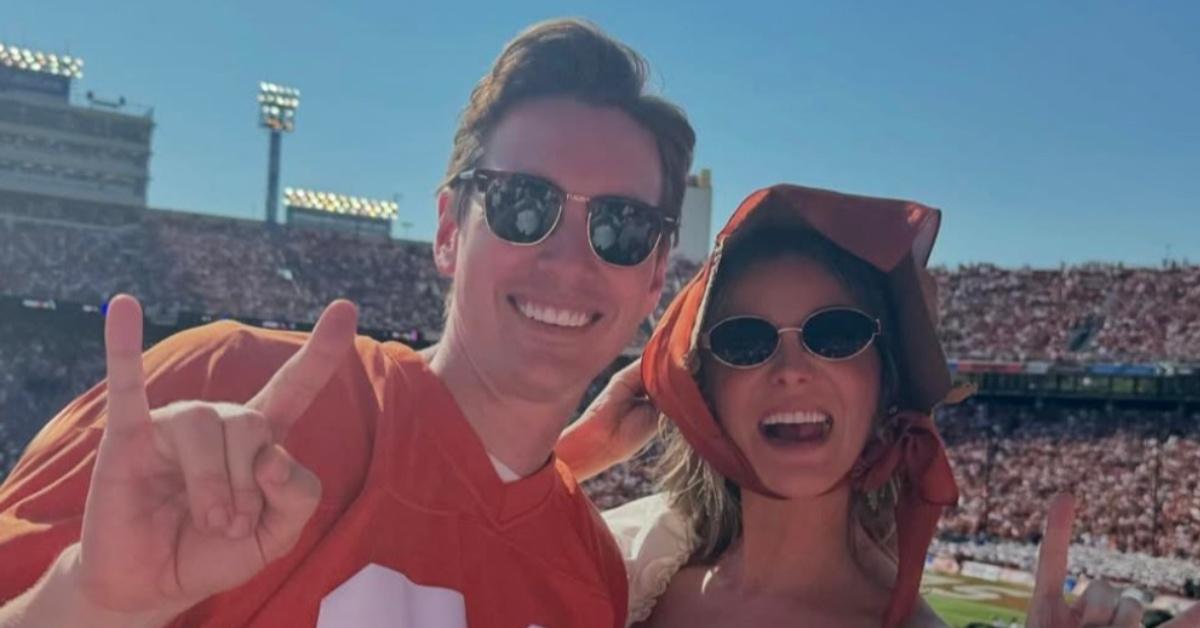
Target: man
(337,481)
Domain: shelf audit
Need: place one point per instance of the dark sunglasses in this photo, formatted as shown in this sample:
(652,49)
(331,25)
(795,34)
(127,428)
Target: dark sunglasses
(524,209)
(834,334)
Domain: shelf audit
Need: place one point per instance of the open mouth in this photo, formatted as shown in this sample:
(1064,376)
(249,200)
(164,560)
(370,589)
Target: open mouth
(796,428)
(553,316)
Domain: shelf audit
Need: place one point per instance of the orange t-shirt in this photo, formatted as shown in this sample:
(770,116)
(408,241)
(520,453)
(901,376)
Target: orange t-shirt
(414,524)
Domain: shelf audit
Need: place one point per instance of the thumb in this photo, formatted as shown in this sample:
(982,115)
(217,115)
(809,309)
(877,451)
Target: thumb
(290,494)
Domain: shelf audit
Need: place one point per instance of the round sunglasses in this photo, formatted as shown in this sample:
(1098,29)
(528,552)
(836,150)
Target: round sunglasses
(833,334)
(524,209)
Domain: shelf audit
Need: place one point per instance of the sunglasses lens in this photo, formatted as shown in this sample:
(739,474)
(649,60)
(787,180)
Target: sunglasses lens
(743,341)
(623,232)
(521,209)
(838,334)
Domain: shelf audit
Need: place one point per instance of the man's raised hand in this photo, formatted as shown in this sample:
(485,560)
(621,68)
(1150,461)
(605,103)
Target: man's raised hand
(194,498)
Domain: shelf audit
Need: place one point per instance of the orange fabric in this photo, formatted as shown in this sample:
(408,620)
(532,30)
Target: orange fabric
(896,238)
(406,483)
(919,456)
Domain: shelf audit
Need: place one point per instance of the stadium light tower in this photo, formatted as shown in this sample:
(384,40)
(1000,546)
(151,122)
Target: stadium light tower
(277,107)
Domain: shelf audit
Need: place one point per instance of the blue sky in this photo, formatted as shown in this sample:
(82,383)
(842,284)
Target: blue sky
(1047,132)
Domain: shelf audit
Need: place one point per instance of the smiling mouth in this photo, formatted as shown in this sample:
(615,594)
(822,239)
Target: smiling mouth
(552,316)
(796,428)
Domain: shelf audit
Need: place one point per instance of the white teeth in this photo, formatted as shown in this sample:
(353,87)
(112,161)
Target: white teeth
(796,417)
(553,316)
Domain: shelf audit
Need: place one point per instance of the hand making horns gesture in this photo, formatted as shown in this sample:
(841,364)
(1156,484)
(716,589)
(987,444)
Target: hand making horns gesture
(1101,605)
(195,498)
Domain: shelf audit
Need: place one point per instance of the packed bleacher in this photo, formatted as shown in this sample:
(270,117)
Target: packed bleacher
(1135,469)
(1083,313)
(1126,466)
(183,263)
(42,367)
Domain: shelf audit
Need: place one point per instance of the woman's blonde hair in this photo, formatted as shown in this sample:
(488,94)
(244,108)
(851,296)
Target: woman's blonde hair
(710,502)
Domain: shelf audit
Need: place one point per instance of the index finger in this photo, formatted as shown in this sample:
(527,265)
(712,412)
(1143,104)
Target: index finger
(128,407)
(294,386)
(1052,555)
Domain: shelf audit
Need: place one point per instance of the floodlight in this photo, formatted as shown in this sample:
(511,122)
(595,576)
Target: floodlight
(41,62)
(333,203)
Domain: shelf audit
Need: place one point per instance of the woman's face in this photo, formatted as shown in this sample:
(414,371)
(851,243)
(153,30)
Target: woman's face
(769,411)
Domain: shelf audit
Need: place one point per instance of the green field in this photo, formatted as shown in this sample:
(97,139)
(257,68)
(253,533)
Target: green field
(960,600)
(960,613)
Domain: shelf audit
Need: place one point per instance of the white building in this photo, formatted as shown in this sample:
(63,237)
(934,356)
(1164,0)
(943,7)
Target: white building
(98,153)
(695,233)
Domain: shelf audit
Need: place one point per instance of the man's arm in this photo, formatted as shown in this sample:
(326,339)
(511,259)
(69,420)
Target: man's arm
(57,600)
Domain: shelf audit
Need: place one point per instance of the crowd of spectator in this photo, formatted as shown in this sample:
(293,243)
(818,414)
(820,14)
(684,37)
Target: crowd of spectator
(189,263)
(179,263)
(1135,470)
(1081,313)
(42,367)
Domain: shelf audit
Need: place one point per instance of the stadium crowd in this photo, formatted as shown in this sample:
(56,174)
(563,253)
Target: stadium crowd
(1135,470)
(42,367)
(1089,312)
(1131,469)
(181,262)
(177,263)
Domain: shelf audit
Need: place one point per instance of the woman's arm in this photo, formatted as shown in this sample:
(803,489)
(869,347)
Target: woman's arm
(614,427)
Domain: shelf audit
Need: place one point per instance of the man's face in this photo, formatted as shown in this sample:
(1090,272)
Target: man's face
(538,322)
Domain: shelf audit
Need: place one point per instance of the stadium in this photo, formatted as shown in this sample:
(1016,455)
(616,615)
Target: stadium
(1087,377)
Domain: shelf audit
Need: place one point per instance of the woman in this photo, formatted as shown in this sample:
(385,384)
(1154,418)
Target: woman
(804,477)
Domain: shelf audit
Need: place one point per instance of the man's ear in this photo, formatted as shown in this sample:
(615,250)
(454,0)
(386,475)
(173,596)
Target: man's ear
(445,244)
